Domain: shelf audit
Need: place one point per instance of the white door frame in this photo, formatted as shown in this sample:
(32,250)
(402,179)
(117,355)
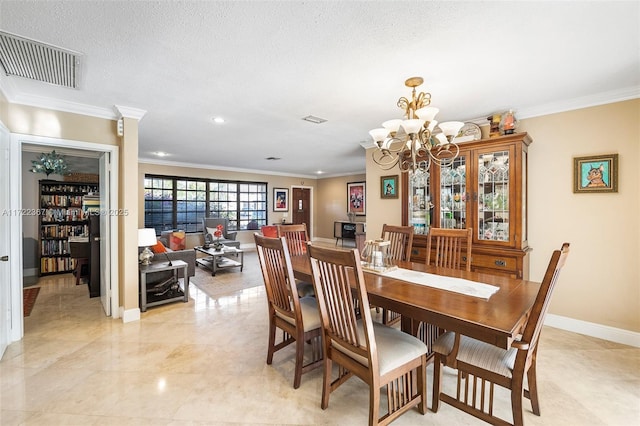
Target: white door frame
(15,203)
(5,241)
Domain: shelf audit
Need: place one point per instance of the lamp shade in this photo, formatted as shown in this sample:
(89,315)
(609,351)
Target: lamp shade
(147,237)
(379,135)
(412,126)
(427,113)
(451,128)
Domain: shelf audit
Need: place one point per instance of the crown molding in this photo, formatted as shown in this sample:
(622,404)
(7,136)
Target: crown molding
(214,167)
(129,112)
(603,98)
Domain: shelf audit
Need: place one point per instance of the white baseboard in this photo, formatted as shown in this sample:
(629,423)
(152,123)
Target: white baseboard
(130,315)
(599,331)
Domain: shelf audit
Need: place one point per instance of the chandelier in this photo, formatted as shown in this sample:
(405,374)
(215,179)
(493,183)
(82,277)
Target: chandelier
(50,163)
(415,142)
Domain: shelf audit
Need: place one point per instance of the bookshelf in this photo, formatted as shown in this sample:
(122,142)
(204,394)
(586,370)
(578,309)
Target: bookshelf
(61,216)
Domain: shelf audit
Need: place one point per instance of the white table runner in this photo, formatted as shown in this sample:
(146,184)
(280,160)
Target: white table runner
(458,285)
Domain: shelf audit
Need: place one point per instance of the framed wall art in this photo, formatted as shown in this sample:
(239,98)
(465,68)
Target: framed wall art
(280,199)
(597,173)
(356,198)
(389,186)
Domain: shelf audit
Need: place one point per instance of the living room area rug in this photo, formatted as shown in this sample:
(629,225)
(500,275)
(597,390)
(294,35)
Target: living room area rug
(229,281)
(29,296)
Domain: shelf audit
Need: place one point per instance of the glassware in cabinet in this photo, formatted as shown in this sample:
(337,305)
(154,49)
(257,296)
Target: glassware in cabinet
(493,196)
(453,194)
(420,204)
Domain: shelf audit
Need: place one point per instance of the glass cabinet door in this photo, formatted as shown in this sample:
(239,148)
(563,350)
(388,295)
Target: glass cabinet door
(453,194)
(493,196)
(419,202)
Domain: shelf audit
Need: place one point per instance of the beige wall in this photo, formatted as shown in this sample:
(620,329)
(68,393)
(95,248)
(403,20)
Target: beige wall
(56,124)
(601,281)
(331,203)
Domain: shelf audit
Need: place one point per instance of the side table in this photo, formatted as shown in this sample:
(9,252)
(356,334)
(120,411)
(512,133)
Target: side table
(165,291)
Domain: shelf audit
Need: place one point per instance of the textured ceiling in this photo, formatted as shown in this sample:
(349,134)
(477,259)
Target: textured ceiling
(263,66)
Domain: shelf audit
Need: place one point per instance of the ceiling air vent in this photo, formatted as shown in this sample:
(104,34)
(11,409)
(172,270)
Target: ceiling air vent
(314,119)
(32,59)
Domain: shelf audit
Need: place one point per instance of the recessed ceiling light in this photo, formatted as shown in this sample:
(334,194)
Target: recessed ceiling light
(161,154)
(218,120)
(319,172)
(314,119)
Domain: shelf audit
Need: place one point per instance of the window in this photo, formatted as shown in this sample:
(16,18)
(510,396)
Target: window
(158,203)
(181,203)
(191,202)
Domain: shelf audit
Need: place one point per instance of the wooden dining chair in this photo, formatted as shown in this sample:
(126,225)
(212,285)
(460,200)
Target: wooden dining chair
(451,248)
(383,357)
(481,365)
(297,317)
(296,236)
(401,238)
(446,248)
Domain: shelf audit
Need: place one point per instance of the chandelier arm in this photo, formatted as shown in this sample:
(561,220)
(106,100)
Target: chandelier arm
(390,162)
(405,105)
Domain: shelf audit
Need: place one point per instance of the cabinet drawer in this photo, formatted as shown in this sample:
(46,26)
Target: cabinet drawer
(506,263)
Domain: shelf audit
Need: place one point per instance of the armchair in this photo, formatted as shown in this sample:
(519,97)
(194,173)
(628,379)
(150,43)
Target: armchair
(228,237)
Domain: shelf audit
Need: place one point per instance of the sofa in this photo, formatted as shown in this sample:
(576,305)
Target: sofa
(187,255)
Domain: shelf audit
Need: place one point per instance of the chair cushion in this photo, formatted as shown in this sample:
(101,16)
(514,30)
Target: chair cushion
(310,314)
(480,354)
(158,247)
(395,348)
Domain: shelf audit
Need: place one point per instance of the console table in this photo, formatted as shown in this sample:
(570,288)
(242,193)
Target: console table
(167,290)
(343,230)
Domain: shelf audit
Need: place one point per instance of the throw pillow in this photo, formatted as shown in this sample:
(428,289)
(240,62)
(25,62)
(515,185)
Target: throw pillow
(270,231)
(158,248)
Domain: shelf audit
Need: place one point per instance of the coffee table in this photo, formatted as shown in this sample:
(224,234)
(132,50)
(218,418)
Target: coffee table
(220,259)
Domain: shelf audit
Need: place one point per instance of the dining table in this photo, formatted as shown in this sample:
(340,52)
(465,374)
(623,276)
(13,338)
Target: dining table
(497,319)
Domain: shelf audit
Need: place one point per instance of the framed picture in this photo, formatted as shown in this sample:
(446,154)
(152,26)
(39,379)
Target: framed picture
(357,198)
(597,173)
(389,186)
(280,199)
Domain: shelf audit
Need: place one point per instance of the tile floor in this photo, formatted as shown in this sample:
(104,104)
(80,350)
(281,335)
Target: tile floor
(203,362)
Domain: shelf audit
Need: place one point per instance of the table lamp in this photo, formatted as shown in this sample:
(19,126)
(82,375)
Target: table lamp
(146,238)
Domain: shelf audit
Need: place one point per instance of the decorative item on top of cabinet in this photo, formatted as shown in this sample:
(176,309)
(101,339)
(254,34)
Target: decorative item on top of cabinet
(485,188)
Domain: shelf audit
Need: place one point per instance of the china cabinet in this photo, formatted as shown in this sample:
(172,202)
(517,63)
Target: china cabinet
(485,188)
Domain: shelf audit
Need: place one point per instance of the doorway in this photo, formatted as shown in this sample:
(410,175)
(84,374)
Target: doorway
(107,199)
